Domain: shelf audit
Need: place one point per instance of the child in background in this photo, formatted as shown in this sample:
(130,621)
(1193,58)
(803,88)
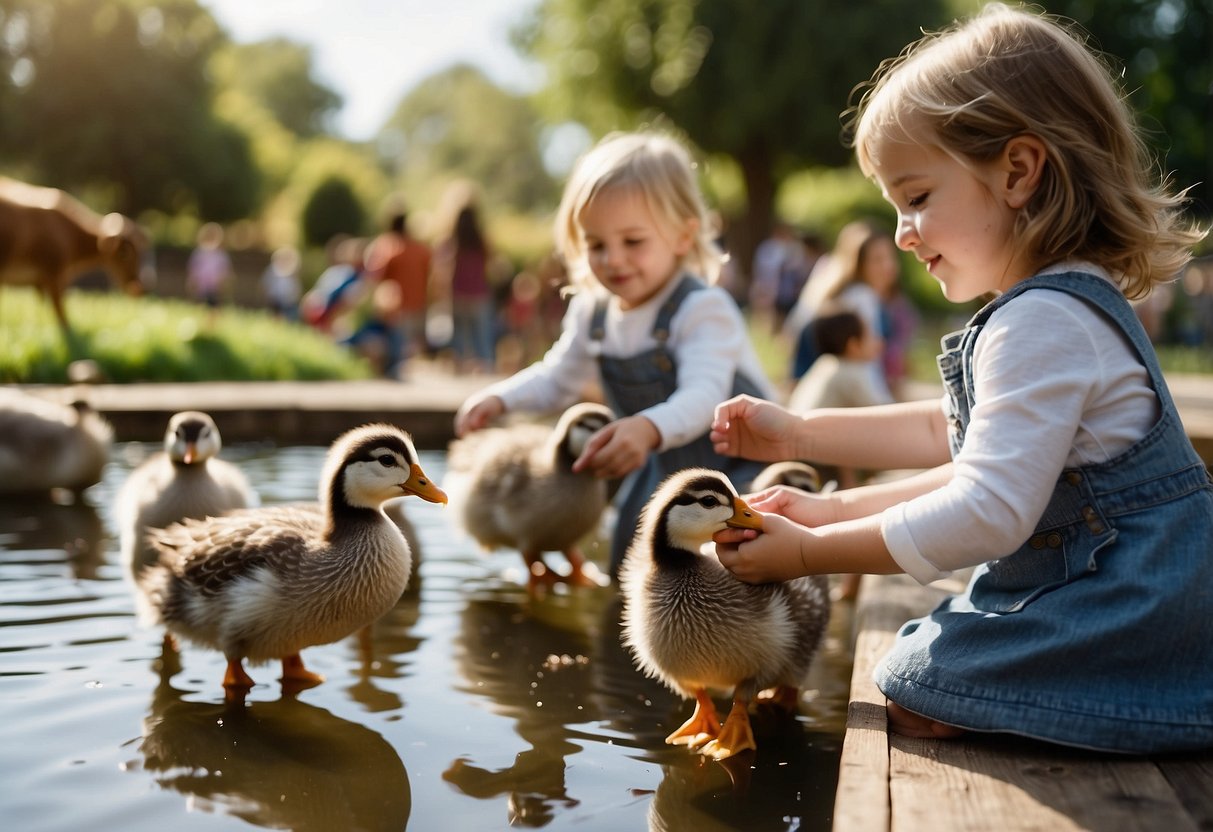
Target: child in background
(644,319)
(1015,168)
(280,283)
(858,274)
(209,268)
(841,376)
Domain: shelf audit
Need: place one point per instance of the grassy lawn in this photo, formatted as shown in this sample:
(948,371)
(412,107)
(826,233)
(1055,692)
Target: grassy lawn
(154,339)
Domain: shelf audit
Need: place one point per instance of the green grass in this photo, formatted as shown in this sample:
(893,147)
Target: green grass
(154,339)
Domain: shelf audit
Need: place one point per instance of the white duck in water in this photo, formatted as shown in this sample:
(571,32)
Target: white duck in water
(514,486)
(689,623)
(264,583)
(185,480)
(45,445)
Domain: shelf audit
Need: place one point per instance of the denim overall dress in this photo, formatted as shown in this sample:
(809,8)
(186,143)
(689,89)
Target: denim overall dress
(1098,631)
(641,381)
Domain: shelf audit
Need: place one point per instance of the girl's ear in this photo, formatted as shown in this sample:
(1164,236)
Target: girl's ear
(686,237)
(1022,164)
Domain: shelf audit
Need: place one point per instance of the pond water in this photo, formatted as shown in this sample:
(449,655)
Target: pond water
(476,706)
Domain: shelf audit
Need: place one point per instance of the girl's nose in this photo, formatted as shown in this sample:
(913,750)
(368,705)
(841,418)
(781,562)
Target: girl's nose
(907,235)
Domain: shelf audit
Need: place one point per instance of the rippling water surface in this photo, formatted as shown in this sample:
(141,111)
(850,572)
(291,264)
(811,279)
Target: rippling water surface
(475,707)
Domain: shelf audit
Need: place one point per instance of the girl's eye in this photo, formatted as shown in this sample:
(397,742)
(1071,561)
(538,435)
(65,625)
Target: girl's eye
(917,201)
(387,461)
(633,243)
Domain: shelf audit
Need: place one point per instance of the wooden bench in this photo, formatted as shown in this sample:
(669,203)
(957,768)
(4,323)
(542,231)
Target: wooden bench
(991,782)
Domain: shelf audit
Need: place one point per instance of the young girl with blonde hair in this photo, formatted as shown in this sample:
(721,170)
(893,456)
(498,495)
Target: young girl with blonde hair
(1057,465)
(645,319)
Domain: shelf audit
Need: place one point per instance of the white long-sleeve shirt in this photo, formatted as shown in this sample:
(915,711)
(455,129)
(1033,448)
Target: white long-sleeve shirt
(708,338)
(1056,385)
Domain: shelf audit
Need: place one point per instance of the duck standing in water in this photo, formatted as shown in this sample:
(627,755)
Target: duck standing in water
(689,623)
(185,480)
(45,445)
(264,583)
(514,486)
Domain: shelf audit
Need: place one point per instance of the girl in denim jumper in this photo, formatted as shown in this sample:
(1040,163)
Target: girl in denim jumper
(644,322)
(1057,465)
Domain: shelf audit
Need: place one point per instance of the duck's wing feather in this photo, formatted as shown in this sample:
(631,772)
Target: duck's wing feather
(210,553)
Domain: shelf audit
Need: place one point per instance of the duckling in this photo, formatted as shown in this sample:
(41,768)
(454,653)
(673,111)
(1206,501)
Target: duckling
(796,474)
(514,486)
(45,445)
(264,583)
(693,626)
(185,480)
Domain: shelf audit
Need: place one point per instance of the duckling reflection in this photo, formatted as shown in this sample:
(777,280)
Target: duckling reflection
(791,778)
(283,764)
(383,649)
(533,662)
(34,523)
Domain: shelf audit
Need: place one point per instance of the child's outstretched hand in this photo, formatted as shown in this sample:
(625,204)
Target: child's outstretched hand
(774,554)
(477,413)
(619,448)
(754,429)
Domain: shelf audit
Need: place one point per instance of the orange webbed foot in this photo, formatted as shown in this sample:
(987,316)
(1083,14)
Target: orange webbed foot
(235,678)
(735,736)
(702,727)
(296,676)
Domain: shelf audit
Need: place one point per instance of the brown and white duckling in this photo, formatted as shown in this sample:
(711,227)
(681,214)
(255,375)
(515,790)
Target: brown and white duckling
(791,472)
(264,583)
(45,445)
(514,486)
(689,623)
(184,480)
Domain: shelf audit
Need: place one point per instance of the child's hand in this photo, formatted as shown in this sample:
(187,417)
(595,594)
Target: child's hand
(773,555)
(619,448)
(754,429)
(796,505)
(477,413)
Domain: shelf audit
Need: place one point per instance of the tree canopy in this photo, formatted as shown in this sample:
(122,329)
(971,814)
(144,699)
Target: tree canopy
(457,124)
(763,83)
(113,97)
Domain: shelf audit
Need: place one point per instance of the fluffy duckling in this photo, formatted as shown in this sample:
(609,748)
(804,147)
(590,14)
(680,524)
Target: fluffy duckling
(264,583)
(514,486)
(692,625)
(796,474)
(185,480)
(45,445)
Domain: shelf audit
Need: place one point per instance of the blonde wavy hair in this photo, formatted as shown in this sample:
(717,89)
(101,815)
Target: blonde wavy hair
(1008,72)
(661,171)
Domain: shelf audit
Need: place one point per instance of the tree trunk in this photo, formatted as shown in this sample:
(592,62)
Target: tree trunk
(752,227)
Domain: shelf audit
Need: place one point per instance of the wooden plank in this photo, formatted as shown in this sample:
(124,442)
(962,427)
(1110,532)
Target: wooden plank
(1008,784)
(1191,775)
(861,802)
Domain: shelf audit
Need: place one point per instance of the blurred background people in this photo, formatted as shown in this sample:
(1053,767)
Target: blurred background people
(280,283)
(461,276)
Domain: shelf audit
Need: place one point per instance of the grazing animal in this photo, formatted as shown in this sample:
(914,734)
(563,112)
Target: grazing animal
(185,480)
(48,238)
(45,445)
(264,583)
(514,486)
(689,623)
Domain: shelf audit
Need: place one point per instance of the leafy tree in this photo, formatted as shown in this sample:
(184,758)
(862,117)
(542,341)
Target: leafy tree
(113,96)
(457,124)
(1165,50)
(277,74)
(333,208)
(762,83)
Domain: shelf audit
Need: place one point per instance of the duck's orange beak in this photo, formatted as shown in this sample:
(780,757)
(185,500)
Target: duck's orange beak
(418,484)
(744,517)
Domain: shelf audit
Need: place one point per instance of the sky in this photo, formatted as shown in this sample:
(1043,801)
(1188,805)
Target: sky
(372,52)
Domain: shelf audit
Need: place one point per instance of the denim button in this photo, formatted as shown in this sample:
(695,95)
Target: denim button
(1053,540)
(1037,541)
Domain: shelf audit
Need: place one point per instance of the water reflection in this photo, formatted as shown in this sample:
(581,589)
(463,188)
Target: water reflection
(531,657)
(38,523)
(283,764)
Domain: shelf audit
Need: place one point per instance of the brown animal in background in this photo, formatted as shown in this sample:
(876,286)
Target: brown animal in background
(48,238)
